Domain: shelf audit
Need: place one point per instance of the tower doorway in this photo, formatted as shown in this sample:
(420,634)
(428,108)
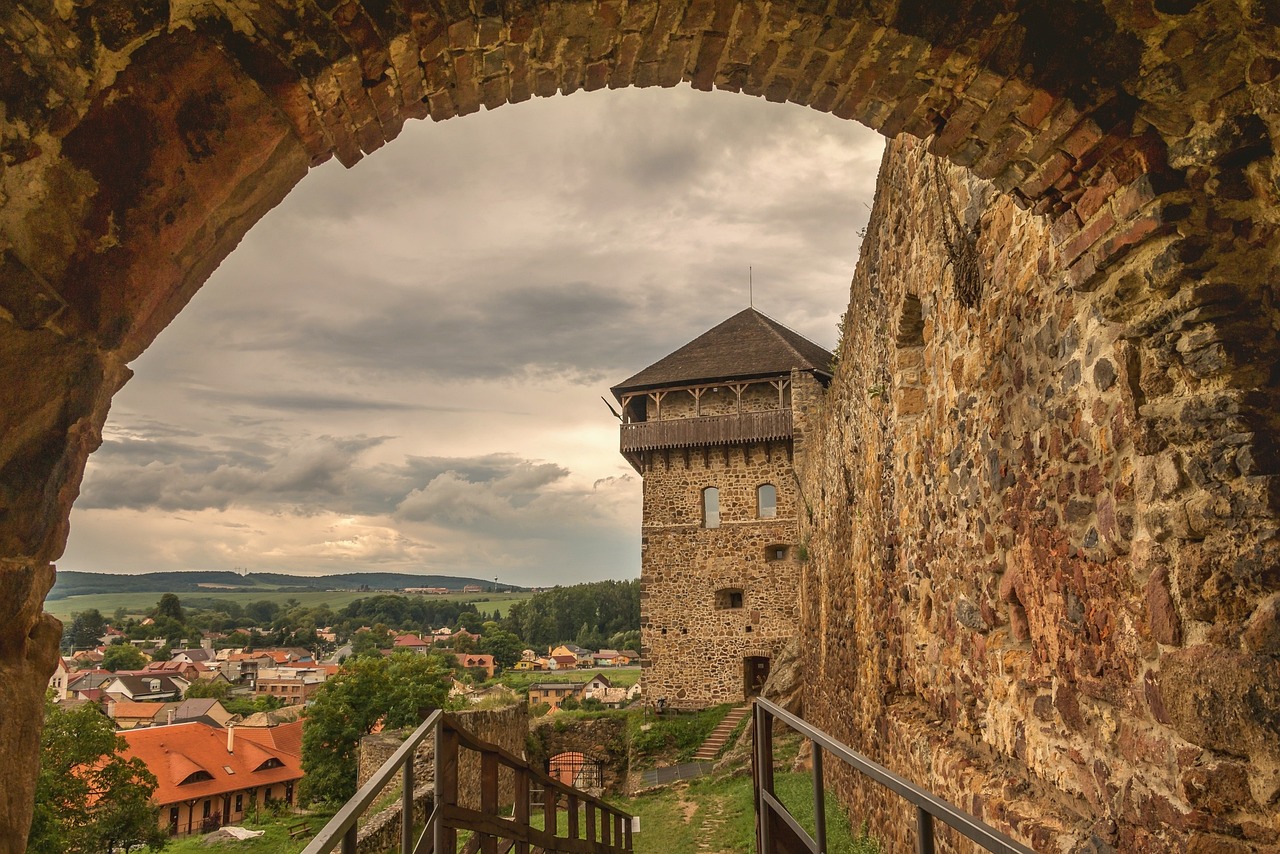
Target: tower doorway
(755,672)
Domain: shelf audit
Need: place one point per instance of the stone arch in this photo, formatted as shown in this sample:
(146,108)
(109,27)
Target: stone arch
(602,739)
(141,141)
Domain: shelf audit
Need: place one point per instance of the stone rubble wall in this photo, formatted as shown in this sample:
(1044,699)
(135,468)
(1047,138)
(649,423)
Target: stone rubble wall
(996,605)
(141,140)
(507,728)
(603,738)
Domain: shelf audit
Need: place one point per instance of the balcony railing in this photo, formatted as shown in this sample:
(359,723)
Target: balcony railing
(767,426)
(594,827)
(778,832)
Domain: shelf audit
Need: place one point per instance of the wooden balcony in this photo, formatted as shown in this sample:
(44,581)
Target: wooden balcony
(769,426)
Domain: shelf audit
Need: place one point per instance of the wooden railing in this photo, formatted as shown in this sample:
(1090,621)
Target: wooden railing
(593,827)
(778,832)
(766,426)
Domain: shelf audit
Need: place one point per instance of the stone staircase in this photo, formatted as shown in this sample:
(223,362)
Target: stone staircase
(712,746)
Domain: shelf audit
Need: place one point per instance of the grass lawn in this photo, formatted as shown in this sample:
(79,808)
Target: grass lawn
(720,812)
(139,603)
(274,841)
(671,737)
(520,680)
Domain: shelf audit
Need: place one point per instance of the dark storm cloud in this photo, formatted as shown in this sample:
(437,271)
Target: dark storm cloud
(326,472)
(580,331)
(139,474)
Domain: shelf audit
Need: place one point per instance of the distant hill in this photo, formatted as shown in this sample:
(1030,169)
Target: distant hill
(71,583)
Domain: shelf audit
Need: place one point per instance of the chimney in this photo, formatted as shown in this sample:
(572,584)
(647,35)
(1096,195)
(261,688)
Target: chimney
(231,738)
(172,712)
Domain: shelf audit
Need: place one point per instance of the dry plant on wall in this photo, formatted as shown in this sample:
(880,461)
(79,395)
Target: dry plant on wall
(961,245)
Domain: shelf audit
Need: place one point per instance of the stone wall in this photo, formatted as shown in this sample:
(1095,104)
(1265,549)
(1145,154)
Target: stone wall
(998,604)
(692,646)
(507,728)
(603,738)
(141,141)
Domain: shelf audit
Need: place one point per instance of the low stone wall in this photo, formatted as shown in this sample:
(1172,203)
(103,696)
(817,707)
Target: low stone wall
(383,831)
(603,738)
(507,728)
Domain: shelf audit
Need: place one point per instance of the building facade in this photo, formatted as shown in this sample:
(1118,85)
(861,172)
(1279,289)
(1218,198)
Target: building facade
(714,429)
(207,776)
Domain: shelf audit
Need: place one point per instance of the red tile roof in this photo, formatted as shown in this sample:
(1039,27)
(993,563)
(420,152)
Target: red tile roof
(175,753)
(131,709)
(286,738)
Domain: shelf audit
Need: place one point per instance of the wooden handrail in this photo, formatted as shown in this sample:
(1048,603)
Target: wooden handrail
(762,426)
(490,833)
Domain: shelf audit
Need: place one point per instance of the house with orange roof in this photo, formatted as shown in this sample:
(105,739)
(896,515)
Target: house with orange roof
(188,670)
(209,777)
(411,642)
(128,714)
(484,662)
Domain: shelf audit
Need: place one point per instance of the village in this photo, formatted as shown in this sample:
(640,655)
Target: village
(215,766)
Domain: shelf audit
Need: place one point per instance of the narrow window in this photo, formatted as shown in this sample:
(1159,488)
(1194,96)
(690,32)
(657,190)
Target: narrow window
(727,598)
(239,803)
(766,501)
(711,507)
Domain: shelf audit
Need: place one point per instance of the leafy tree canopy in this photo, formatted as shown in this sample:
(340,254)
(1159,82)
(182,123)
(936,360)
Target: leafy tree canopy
(123,657)
(170,606)
(399,690)
(89,798)
(208,689)
(86,629)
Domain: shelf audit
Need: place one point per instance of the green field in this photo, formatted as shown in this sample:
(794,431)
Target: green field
(623,677)
(139,603)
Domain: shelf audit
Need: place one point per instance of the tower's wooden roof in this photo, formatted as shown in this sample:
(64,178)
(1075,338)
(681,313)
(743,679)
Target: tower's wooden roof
(746,346)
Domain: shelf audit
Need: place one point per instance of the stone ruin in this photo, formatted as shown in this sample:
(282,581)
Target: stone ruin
(1043,561)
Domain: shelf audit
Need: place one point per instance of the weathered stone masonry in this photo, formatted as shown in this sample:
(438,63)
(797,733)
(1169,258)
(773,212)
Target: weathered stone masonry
(140,140)
(1015,594)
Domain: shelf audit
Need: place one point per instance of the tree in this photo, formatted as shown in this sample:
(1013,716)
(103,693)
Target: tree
(207,689)
(123,656)
(89,798)
(398,691)
(262,612)
(364,643)
(503,646)
(245,706)
(170,606)
(86,629)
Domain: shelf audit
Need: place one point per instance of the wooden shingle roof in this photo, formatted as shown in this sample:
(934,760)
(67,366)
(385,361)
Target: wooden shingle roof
(746,346)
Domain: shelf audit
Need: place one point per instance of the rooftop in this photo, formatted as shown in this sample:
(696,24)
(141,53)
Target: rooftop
(746,346)
(177,754)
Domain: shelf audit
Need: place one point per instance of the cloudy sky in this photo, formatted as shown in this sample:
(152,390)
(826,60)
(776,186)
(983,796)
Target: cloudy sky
(400,368)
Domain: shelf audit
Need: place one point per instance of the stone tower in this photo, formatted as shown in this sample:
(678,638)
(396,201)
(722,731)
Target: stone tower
(714,429)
